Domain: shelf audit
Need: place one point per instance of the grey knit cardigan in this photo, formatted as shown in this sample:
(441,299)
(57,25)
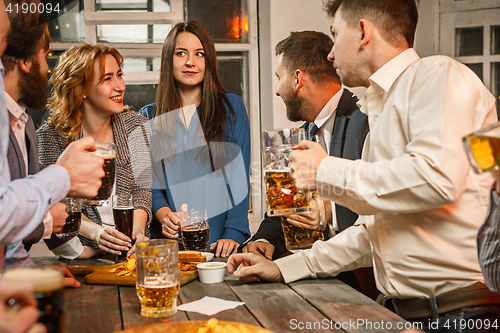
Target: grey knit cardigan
(133,161)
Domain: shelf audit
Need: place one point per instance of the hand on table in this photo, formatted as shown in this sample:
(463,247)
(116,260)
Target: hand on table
(137,238)
(253,267)
(113,241)
(224,247)
(24,319)
(85,170)
(59,216)
(305,160)
(260,248)
(69,280)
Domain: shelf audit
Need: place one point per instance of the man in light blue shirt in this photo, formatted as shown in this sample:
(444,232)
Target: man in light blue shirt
(24,202)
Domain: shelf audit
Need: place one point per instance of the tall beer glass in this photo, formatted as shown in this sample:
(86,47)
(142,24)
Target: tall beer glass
(157,281)
(49,291)
(108,152)
(123,216)
(282,198)
(483,149)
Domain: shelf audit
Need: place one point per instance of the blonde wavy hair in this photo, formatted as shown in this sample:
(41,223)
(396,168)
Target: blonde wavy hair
(71,79)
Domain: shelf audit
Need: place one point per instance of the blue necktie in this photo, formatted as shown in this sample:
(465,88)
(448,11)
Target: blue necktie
(311,132)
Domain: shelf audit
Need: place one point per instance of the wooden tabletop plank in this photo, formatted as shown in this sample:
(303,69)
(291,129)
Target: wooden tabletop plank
(278,308)
(348,308)
(50,261)
(92,308)
(196,290)
(131,311)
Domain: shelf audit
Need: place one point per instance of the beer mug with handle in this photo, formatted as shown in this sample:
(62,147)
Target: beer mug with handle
(483,148)
(157,284)
(282,198)
(107,151)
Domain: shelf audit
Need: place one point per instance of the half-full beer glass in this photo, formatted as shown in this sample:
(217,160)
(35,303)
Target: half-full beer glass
(483,148)
(157,281)
(282,198)
(74,219)
(194,229)
(108,152)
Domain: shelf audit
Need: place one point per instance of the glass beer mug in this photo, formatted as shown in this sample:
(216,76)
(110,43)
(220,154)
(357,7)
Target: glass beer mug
(483,148)
(282,198)
(157,282)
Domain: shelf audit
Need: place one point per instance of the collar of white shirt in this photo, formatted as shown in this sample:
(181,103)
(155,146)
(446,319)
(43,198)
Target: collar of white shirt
(327,110)
(15,109)
(385,77)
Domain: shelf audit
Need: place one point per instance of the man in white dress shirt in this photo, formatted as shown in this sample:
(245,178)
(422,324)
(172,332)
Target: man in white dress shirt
(414,176)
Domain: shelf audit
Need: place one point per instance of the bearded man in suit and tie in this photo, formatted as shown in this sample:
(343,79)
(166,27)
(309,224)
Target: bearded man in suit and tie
(311,90)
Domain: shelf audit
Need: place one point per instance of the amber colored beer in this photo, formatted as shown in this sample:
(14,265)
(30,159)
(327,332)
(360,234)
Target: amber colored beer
(158,298)
(297,238)
(484,151)
(282,197)
(49,291)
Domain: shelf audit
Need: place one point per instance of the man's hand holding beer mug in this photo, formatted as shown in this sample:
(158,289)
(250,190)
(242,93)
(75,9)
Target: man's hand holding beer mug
(85,170)
(305,160)
(310,220)
(23,319)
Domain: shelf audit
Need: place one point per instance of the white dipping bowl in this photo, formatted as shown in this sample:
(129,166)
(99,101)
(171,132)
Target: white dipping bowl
(211,272)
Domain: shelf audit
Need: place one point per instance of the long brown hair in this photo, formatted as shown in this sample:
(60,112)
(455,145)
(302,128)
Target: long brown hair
(73,77)
(212,114)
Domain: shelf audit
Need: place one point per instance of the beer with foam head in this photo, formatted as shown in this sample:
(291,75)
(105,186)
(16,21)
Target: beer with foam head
(49,290)
(157,284)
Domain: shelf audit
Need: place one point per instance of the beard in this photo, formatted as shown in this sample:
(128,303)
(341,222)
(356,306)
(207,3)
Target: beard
(33,88)
(294,106)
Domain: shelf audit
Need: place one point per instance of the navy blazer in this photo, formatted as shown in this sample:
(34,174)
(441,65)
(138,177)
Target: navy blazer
(349,132)
(17,168)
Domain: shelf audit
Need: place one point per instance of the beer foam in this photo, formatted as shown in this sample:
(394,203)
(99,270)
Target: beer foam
(44,279)
(284,169)
(123,207)
(104,154)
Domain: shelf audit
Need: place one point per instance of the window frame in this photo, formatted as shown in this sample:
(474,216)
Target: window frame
(153,50)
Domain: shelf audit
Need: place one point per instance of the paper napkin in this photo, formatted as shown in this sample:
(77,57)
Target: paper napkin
(209,305)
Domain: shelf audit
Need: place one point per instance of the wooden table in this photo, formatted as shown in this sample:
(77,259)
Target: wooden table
(329,304)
